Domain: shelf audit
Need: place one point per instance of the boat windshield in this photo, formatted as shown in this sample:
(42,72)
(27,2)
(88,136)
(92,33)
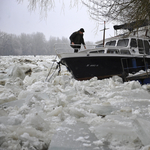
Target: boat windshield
(111,43)
(99,45)
(133,43)
(113,51)
(98,51)
(123,42)
(125,51)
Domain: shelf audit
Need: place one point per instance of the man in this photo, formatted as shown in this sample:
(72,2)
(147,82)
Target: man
(77,39)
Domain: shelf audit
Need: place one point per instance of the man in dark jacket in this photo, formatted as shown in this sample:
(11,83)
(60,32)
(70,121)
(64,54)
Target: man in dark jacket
(77,39)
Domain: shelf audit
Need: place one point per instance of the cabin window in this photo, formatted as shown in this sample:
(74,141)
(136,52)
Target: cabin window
(111,43)
(124,51)
(146,46)
(113,51)
(133,43)
(141,46)
(123,42)
(99,51)
(99,45)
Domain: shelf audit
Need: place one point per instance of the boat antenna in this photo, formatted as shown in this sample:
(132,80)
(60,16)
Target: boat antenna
(104,33)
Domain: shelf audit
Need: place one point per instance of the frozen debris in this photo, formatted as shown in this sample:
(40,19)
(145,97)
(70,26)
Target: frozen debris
(56,111)
(98,143)
(117,79)
(28,72)
(90,91)
(73,136)
(83,139)
(7,96)
(15,71)
(101,110)
(146,147)
(97,114)
(2,82)
(142,129)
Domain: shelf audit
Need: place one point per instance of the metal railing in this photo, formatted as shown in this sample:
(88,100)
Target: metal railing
(66,48)
(134,67)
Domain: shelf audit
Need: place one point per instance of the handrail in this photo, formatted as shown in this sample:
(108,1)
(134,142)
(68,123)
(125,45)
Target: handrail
(145,65)
(127,68)
(66,47)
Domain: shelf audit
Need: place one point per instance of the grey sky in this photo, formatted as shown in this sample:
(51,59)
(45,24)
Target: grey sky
(16,19)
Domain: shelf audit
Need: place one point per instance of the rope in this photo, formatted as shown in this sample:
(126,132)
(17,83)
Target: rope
(58,66)
(50,69)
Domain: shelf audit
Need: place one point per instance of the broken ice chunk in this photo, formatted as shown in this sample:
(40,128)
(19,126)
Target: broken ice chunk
(143,133)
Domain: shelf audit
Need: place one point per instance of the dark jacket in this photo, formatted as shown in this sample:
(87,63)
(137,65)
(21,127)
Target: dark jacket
(77,38)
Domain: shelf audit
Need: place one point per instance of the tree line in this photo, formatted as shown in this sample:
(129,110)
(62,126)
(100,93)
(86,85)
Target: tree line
(28,44)
(32,44)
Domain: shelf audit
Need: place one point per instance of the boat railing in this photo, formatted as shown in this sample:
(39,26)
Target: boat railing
(126,67)
(66,48)
(91,48)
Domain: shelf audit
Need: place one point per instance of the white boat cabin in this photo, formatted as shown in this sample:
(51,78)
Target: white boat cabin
(130,44)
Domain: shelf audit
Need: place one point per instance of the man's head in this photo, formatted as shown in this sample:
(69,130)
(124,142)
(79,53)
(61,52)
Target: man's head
(81,31)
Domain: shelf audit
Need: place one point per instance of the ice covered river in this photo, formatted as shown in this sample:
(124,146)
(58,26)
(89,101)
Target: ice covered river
(33,111)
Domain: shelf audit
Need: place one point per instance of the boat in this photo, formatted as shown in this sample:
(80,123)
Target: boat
(120,55)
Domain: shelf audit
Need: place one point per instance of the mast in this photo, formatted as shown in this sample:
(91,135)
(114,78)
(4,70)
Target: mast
(104,34)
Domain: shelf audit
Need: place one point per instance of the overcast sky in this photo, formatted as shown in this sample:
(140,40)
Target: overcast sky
(16,19)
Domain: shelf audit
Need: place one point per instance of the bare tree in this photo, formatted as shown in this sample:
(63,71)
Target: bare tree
(122,10)
(47,5)
(109,10)
(118,10)
(42,4)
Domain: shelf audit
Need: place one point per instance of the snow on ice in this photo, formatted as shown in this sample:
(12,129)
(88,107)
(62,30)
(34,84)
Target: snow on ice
(32,110)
